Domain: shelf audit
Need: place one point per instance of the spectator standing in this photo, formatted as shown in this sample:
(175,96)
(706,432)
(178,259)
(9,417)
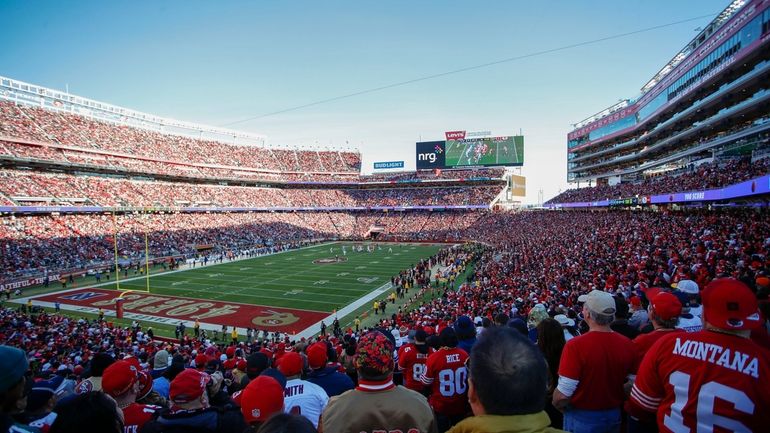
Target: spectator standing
(714,379)
(301,397)
(191,410)
(506,385)
(262,398)
(447,376)
(412,358)
(377,404)
(551,341)
(466,333)
(121,382)
(13,386)
(327,377)
(592,371)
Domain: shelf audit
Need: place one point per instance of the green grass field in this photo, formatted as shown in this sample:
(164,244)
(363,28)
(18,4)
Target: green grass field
(510,152)
(290,279)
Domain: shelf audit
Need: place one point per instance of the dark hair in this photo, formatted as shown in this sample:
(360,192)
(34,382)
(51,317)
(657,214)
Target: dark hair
(550,341)
(448,337)
(508,373)
(287,423)
(90,411)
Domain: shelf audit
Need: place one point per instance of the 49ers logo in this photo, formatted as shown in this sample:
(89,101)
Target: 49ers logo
(275,319)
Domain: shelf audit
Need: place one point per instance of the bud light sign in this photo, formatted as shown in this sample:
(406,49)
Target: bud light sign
(388,165)
(430,155)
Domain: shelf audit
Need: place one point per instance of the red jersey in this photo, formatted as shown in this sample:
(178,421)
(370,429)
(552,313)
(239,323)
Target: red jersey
(136,415)
(705,380)
(599,362)
(412,363)
(445,371)
(643,343)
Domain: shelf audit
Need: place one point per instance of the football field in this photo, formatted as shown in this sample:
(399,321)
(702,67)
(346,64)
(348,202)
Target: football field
(284,292)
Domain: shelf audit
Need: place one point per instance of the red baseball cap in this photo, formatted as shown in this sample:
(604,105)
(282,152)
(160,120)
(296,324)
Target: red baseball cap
(729,304)
(188,385)
(666,306)
(316,355)
(118,378)
(146,381)
(290,364)
(261,398)
(200,361)
(652,292)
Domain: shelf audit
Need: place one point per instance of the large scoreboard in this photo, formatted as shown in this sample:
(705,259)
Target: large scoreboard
(471,152)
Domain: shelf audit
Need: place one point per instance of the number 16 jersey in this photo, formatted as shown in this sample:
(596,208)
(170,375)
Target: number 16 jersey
(704,381)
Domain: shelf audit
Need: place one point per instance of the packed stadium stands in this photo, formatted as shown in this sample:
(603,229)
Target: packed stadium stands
(710,175)
(79,193)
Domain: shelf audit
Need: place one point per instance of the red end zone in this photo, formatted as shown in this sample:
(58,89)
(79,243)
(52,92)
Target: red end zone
(207,311)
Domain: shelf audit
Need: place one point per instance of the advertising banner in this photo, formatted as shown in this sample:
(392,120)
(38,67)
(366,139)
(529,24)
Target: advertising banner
(388,165)
(430,155)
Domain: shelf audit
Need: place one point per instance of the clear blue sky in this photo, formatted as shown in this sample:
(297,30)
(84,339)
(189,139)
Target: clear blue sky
(215,62)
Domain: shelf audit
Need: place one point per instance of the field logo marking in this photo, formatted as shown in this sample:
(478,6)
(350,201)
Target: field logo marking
(320,282)
(83,296)
(269,263)
(367,280)
(244,269)
(178,283)
(374,262)
(360,267)
(386,258)
(216,275)
(343,274)
(293,292)
(275,319)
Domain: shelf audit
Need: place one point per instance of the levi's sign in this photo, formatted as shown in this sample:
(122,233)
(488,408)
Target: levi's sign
(455,135)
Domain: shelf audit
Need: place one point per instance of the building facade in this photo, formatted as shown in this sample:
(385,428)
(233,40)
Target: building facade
(712,97)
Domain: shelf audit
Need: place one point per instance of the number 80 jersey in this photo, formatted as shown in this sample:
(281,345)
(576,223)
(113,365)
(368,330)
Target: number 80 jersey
(704,382)
(445,371)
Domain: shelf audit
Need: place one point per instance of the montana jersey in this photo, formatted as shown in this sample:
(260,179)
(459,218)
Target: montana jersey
(704,381)
(136,415)
(445,371)
(412,363)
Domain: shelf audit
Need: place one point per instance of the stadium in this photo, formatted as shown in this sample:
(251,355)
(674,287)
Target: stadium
(163,275)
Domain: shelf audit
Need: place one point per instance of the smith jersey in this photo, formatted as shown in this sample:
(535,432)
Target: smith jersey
(705,382)
(412,363)
(445,371)
(305,398)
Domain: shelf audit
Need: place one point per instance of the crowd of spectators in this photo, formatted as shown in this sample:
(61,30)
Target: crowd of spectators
(31,187)
(34,244)
(710,175)
(544,276)
(70,138)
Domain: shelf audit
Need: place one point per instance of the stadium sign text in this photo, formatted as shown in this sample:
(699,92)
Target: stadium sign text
(388,165)
(455,135)
(164,307)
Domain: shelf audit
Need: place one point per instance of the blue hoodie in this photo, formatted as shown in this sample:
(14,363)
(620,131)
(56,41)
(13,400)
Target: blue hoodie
(331,380)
